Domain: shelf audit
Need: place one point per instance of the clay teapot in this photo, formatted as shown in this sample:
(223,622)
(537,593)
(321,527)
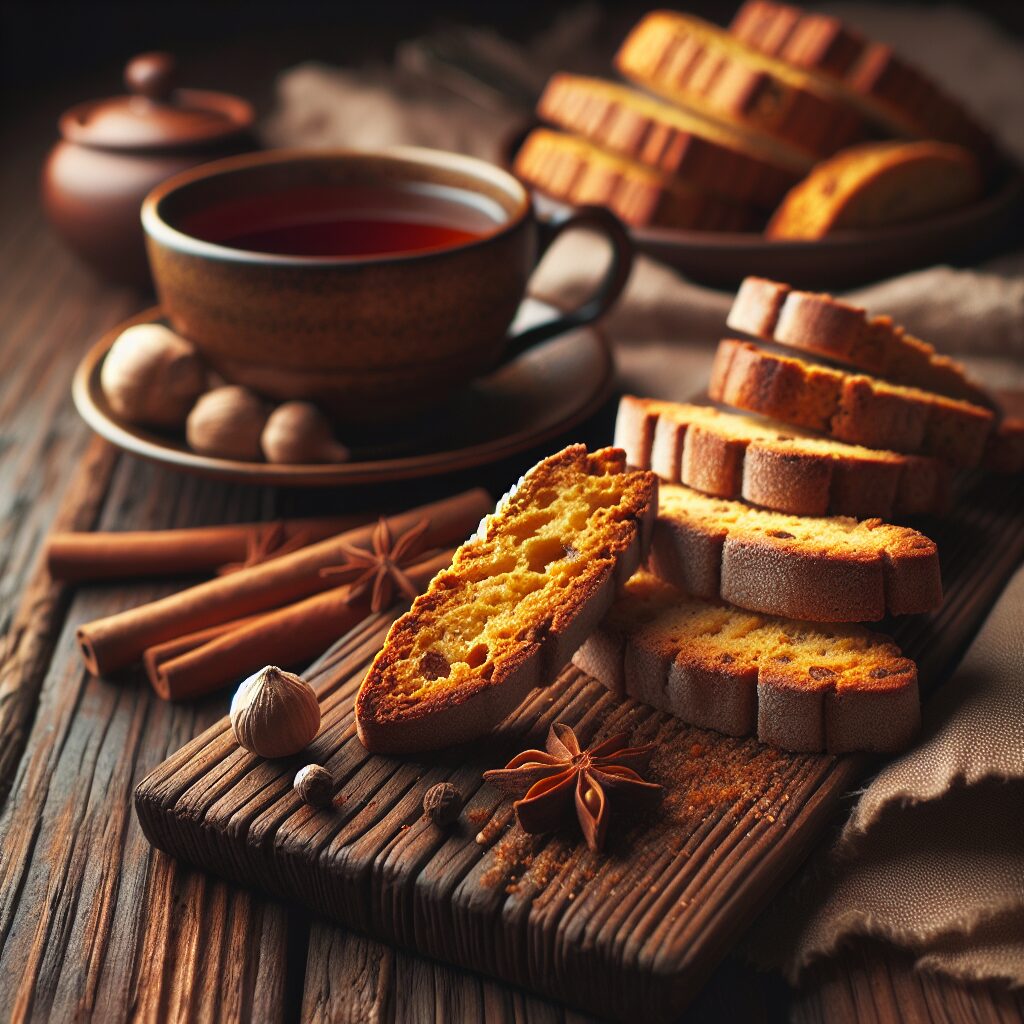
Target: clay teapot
(113,151)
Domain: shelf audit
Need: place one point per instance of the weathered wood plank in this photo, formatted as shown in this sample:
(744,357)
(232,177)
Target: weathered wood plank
(875,984)
(51,309)
(93,922)
(643,925)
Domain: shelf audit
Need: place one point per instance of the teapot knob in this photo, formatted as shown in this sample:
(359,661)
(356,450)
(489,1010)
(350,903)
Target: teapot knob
(153,75)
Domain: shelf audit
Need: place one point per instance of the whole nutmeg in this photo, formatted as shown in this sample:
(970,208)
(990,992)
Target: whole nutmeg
(227,422)
(315,785)
(152,376)
(442,803)
(298,432)
(275,713)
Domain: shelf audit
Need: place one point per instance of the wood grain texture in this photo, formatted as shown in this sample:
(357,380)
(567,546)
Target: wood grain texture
(93,922)
(875,984)
(644,925)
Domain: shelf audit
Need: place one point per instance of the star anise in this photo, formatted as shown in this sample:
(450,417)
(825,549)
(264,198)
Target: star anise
(379,569)
(264,542)
(550,782)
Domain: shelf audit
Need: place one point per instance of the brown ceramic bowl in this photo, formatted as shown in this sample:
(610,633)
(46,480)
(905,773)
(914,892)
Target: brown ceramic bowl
(370,337)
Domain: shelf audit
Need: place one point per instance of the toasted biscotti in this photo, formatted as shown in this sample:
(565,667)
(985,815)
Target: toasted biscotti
(702,67)
(576,171)
(850,407)
(518,600)
(776,466)
(823,570)
(877,185)
(844,333)
(1004,452)
(797,685)
(710,156)
(895,90)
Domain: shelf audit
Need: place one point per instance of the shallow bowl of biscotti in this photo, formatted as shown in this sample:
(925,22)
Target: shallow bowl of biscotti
(786,144)
(723,259)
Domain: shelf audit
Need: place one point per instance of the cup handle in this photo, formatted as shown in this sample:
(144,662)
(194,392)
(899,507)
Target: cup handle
(609,288)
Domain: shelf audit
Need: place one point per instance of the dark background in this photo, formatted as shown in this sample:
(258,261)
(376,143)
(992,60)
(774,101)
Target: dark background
(44,44)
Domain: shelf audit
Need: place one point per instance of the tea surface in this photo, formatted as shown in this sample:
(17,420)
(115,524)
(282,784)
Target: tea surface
(350,236)
(347,221)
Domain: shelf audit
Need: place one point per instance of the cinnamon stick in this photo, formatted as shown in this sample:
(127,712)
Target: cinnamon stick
(153,657)
(293,635)
(76,557)
(118,640)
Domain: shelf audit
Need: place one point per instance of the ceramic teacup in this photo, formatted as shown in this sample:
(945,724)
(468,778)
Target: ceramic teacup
(246,266)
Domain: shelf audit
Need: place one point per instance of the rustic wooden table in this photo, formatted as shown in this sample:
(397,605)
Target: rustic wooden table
(93,922)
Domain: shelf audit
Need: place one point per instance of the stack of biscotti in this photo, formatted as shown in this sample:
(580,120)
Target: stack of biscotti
(771,545)
(788,120)
(891,391)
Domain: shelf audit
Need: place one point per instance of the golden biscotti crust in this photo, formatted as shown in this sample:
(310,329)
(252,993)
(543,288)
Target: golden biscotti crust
(519,598)
(849,407)
(877,185)
(778,467)
(702,67)
(706,154)
(819,569)
(798,685)
(576,171)
(818,323)
(898,90)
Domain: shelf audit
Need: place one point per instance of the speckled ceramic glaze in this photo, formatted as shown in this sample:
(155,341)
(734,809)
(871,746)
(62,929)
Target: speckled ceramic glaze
(370,337)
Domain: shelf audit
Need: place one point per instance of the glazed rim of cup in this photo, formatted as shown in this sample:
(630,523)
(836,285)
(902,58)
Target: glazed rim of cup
(470,169)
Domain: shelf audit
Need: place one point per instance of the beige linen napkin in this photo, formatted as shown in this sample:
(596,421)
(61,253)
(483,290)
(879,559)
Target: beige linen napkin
(932,856)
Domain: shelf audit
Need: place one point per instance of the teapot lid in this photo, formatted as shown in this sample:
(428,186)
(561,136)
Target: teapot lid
(156,114)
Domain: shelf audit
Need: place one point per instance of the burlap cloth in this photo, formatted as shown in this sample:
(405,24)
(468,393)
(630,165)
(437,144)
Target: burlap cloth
(932,857)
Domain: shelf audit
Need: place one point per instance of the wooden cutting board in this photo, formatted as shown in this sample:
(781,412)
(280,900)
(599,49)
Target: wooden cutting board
(632,932)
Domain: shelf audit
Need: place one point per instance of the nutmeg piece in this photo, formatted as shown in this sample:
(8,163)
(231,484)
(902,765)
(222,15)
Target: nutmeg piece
(314,785)
(275,713)
(152,376)
(227,422)
(442,804)
(297,432)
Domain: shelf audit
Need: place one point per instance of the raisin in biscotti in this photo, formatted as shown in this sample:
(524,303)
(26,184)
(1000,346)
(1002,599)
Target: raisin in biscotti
(575,171)
(850,407)
(781,468)
(708,155)
(794,684)
(842,332)
(702,67)
(877,185)
(823,570)
(897,90)
(518,600)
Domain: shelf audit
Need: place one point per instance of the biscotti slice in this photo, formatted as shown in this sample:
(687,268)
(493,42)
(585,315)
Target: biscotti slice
(782,468)
(850,407)
(706,154)
(1004,452)
(798,685)
(825,570)
(702,67)
(896,90)
(842,332)
(518,600)
(576,171)
(877,185)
